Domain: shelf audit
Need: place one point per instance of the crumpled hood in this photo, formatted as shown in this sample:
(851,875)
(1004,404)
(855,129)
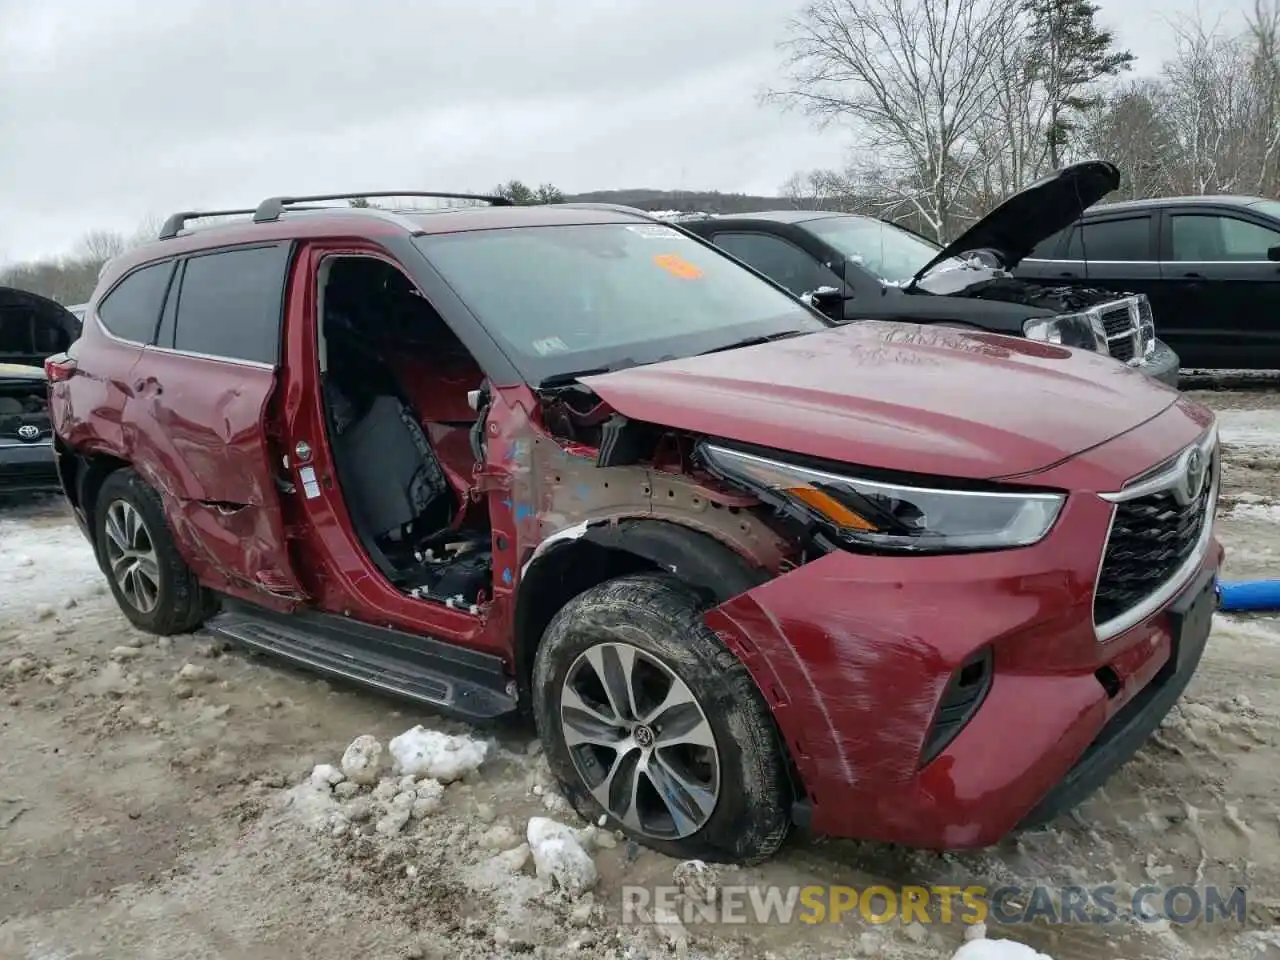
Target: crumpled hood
(898,396)
(1033,213)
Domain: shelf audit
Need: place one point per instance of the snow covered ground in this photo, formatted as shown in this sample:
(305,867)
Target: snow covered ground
(176,798)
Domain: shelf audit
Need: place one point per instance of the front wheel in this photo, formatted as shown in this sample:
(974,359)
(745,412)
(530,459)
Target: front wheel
(152,584)
(648,720)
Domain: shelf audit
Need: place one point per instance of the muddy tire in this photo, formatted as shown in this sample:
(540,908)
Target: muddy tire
(153,586)
(692,764)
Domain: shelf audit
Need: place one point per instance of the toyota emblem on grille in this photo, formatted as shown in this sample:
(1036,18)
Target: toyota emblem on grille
(28,432)
(1193,482)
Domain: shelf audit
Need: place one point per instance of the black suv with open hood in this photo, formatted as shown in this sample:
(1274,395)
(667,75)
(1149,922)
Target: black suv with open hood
(31,328)
(862,268)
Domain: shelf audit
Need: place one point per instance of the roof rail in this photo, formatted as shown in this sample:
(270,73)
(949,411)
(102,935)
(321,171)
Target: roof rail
(271,208)
(173,226)
(602,205)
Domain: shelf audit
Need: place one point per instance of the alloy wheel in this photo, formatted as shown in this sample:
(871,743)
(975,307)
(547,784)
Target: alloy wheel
(131,556)
(640,741)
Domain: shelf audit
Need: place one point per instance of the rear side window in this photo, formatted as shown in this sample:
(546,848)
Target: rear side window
(231,302)
(1127,239)
(132,309)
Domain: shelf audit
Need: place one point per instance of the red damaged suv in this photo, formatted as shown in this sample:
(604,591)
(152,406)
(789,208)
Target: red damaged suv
(744,567)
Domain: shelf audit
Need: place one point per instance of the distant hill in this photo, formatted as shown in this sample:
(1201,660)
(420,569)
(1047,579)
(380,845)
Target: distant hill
(704,201)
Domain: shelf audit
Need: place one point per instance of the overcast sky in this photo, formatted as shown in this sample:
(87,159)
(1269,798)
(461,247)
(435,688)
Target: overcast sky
(115,110)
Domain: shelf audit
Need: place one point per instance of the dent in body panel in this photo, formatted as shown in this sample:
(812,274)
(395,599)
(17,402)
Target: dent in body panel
(550,492)
(196,436)
(870,690)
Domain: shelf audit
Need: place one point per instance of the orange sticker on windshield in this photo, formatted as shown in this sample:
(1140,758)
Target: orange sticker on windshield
(678,266)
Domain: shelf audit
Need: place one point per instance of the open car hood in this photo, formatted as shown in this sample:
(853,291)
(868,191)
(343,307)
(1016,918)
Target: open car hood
(1033,213)
(33,327)
(896,396)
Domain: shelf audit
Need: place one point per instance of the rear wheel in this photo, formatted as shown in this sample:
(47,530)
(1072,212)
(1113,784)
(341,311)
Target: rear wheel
(649,721)
(152,584)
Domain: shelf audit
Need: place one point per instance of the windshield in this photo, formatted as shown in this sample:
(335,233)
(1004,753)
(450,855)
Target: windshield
(890,253)
(591,297)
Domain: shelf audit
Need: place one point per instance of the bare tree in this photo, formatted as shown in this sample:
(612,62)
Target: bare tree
(1264,68)
(817,190)
(912,78)
(1132,130)
(101,245)
(1208,105)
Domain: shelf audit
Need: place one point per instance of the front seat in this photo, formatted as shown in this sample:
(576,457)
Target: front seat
(390,474)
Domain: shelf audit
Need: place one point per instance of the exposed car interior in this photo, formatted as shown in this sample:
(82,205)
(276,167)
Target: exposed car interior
(396,382)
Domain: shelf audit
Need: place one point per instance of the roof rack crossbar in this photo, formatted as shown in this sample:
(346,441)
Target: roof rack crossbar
(271,208)
(173,226)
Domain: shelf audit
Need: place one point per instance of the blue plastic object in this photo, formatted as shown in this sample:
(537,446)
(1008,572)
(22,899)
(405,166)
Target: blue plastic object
(1250,595)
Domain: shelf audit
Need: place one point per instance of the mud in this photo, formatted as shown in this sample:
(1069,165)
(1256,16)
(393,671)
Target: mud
(146,787)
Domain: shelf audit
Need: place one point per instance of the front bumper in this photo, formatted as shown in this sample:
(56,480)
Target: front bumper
(1163,365)
(853,652)
(1126,732)
(28,468)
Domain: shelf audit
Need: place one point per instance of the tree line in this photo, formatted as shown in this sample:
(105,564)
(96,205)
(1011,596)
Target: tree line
(955,104)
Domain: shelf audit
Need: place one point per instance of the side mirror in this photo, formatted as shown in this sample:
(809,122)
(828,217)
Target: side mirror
(827,299)
(1274,253)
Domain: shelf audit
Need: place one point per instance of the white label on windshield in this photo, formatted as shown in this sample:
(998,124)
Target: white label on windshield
(654,231)
(549,345)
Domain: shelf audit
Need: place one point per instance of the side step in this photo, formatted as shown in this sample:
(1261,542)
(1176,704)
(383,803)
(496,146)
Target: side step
(457,681)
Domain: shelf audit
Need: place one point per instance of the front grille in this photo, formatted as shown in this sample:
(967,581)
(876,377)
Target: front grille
(1152,536)
(1120,323)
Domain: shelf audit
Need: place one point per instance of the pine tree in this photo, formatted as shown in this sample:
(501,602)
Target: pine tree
(1070,54)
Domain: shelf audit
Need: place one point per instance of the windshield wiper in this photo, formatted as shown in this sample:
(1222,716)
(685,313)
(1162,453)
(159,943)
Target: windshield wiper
(755,341)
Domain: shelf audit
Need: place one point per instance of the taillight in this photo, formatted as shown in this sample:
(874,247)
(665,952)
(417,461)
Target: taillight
(59,368)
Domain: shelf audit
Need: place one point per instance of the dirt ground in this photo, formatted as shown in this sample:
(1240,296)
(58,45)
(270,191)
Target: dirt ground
(150,807)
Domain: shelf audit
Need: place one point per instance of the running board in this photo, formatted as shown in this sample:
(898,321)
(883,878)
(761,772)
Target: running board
(457,681)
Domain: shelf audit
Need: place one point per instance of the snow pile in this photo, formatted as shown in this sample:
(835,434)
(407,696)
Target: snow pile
(559,857)
(45,566)
(357,794)
(984,949)
(362,760)
(697,881)
(324,775)
(429,753)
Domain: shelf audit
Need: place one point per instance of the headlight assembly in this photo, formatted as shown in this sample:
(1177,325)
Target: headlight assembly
(884,516)
(1084,330)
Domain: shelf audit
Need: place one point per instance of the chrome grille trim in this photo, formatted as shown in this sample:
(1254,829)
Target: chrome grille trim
(1165,477)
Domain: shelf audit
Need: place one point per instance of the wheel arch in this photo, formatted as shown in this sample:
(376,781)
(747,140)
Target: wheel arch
(83,475)
(579,558)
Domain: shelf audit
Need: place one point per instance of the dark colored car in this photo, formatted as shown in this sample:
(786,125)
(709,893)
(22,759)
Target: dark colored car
(1209,265)
(31,329)
(742,565)
(873,270)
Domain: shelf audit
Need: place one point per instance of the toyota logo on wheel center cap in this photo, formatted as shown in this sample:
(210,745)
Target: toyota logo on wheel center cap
(28,432)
